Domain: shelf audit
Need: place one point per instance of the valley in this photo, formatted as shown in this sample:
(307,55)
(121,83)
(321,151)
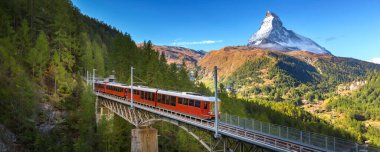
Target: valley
(277,76)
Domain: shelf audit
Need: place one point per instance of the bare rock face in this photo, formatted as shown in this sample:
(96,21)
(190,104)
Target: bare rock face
(49,117)
(7,140)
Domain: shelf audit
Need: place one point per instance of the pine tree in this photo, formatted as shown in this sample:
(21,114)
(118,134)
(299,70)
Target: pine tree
(38,56)
(98,58)
(87,59)
(23,40)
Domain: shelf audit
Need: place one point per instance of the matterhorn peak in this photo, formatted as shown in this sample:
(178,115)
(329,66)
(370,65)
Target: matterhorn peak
(269,13)
(272,35)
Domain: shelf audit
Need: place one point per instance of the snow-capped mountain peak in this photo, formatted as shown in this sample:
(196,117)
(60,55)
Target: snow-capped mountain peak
(272,35)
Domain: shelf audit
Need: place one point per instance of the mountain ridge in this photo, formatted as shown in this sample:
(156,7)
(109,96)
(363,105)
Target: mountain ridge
(178,55)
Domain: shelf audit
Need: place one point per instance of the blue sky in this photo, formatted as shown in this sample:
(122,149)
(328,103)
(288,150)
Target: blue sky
(348,28)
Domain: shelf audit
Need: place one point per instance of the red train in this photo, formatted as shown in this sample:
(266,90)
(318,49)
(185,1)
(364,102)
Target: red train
(185,102)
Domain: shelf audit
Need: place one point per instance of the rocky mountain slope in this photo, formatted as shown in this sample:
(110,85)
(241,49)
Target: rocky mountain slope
(274,36)
(254,71)
(178,55)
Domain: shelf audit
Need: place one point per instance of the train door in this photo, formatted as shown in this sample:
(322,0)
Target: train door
(204,108)
(128,93)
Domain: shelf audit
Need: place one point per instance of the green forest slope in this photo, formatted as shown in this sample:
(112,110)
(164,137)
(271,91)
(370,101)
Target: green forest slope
(45,48)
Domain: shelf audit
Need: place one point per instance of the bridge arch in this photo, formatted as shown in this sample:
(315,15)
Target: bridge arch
(183,127)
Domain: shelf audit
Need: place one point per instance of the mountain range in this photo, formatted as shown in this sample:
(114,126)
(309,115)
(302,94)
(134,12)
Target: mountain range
(274,56)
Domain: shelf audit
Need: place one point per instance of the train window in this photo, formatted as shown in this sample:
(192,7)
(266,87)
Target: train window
(173,101)
(158,97)
(151,96)
(142,95)
(197,104)
(180,100)
(191,102)
(204,105)
(186,102)
(167,100)
(161,99)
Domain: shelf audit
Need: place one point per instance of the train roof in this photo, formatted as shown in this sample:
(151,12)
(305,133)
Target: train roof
(189,95)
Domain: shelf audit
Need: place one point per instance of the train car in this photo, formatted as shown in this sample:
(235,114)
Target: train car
(184,102)
(117,89)
(187,102)
(100,87)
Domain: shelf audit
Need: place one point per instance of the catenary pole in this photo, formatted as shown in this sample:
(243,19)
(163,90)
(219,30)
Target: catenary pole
(132,87)
(216,102)
(87,77)
(93,79)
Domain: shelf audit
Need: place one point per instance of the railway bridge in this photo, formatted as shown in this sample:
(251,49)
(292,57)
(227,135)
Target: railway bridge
(230,133)
(235,134)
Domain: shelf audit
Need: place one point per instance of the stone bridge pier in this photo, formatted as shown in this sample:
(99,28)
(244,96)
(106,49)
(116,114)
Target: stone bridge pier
(144,137)
(144,140)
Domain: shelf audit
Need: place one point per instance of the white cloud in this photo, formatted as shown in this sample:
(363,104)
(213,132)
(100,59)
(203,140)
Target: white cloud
(375,60)
(197,42)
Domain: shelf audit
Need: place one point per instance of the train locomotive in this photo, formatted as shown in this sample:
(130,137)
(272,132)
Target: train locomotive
(189,103)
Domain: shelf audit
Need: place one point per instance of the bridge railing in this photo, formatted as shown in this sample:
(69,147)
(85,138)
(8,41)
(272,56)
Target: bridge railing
(320,141)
